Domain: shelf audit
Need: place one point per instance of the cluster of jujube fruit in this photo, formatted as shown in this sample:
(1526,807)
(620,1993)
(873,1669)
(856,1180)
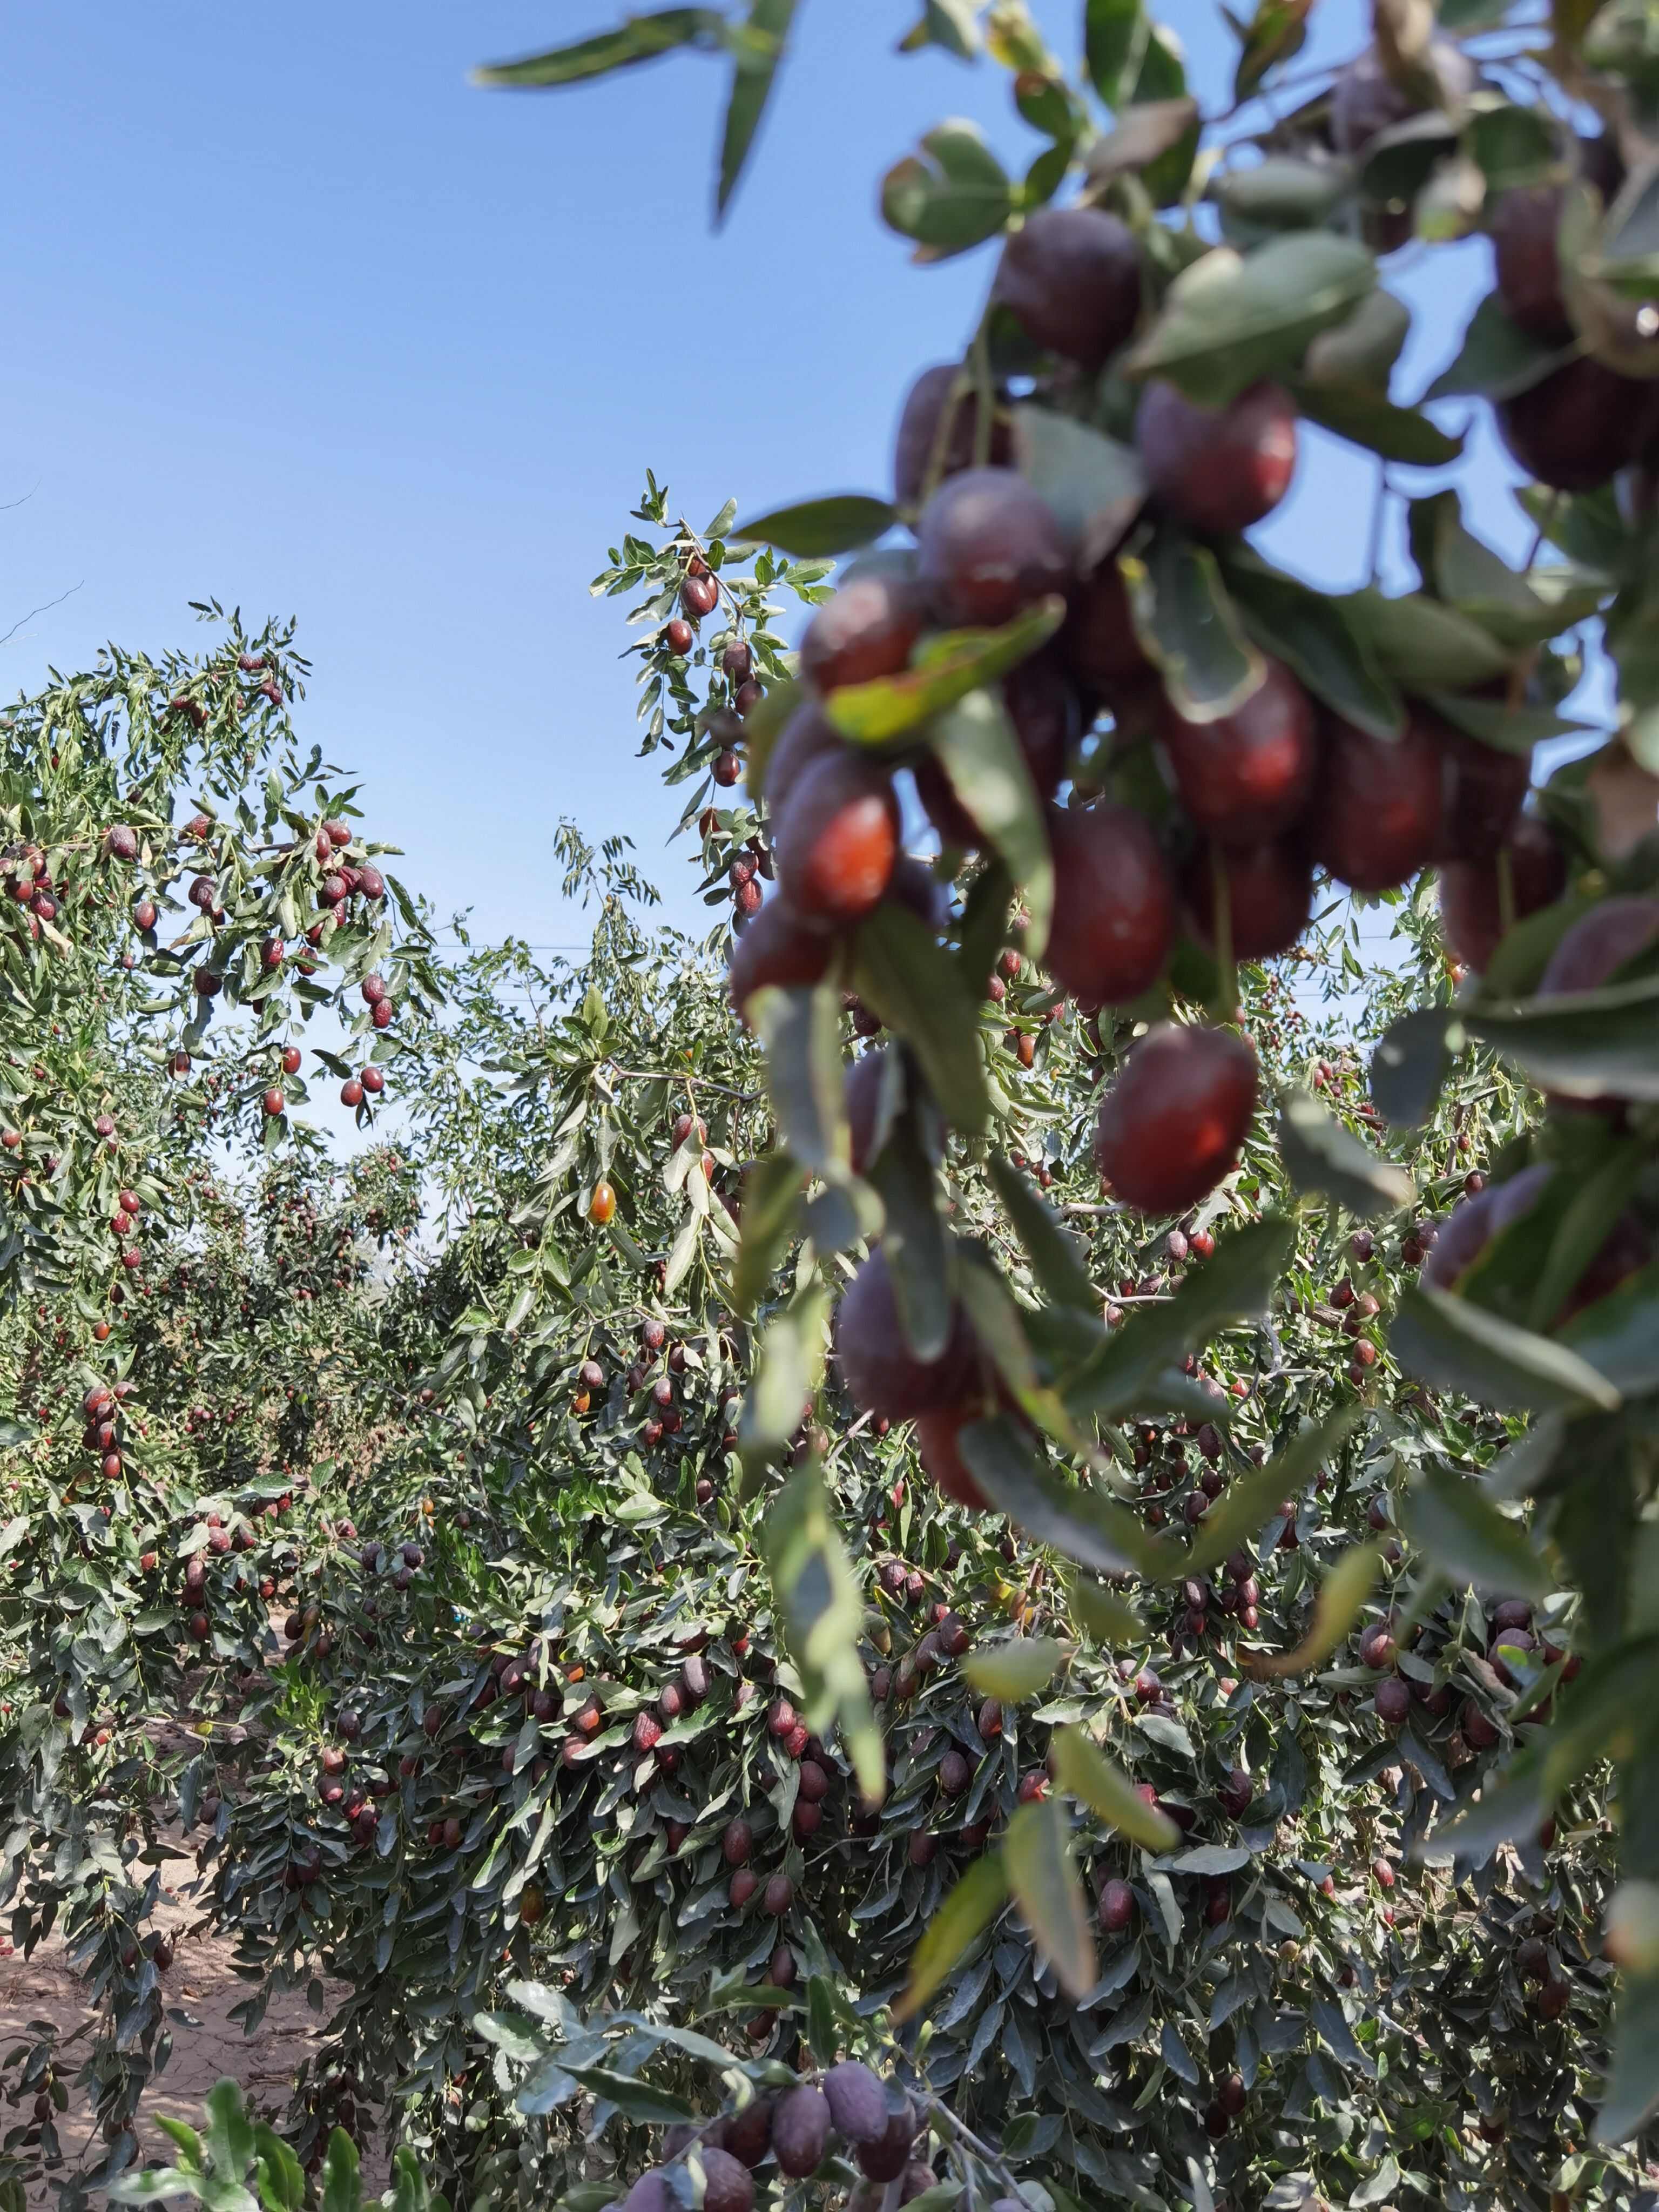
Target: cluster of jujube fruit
(796,2131)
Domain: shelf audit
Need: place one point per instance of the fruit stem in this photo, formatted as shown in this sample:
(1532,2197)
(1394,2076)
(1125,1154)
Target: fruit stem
(983,397)
(1223,933)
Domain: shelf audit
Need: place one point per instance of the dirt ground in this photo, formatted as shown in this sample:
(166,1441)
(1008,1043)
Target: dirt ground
(209,2044)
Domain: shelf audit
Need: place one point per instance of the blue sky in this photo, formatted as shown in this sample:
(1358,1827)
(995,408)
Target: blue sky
(302,321)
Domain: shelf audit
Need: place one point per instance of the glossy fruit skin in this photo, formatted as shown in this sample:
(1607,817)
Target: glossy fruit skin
(1114,908)
(1220,469)
(699,596)
(1579,425)
(883,1375)
(1469,907)
(837,841)
(602,1204)
(1173,1122)
(1247,776)
(867,630)
(1269,896)
(749,2133)
(1378,817)
(989,547)
(1071,277)
(776,947)
(678,636)
(1393,1701)
(1595,949)
(938,1443)
(1484,793)
(273,1102)
(1522,226)
(918,427)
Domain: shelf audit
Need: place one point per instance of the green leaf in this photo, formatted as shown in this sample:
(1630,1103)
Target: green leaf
(1082,1769)
(1319,1154)
(1463,1532)
(1496,359)
(917,1247)
(1099,1613)
(1091,1529)
(763,729)
(1058,1259)
(1236,1284)
(960,1921)
(1409,1066)
(1044,1884)
(1115,38)
(1252,1499)
(638,2100)
(1583,1224)
(638,39)
(1274,194)
(954,198)
(279,2177)
(230,2131)
(342,2189)
(1188,627)
(1421,643)
(1619,1335)
(1276,34)
(787,1365)
(771,1196)
(152,2184)
(1368,419)
(902,971)
(1093,486)
(974,743)
(1448,1342)
(1341,1594)
(813,529)
(758,49)
(800,1030)
(1309,632)
(1506,729)
(1230,319)
(948,668)
(820,1609)
(1014,1670)
(951,24)
(1586,1045)
(1359,354)
(1154,140)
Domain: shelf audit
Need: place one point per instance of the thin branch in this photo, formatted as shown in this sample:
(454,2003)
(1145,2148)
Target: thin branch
(7,635)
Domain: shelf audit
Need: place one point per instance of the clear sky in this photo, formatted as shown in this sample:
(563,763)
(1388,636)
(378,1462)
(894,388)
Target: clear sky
(301,320)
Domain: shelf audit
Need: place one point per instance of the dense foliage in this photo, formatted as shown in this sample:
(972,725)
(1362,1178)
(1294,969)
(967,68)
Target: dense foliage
(1158,1715)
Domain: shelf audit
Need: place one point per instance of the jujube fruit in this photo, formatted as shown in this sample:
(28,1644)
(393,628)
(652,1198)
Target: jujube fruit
(728,2186)
(882,1374)
(1269,896)
(867,630)
(1470,908)
(1483,792)
(989,547)
(1174,1121)
(800,2130)
(1592,952)
(1579,425)
(1220,469)
(1118,1907)
(1366,101)
(1070,277)
(776,948)
(837,840)
(938,1442)
(1114,917)
(1246,776)
(1099,641)
(858,2103)
(1376,818)
(919,428)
